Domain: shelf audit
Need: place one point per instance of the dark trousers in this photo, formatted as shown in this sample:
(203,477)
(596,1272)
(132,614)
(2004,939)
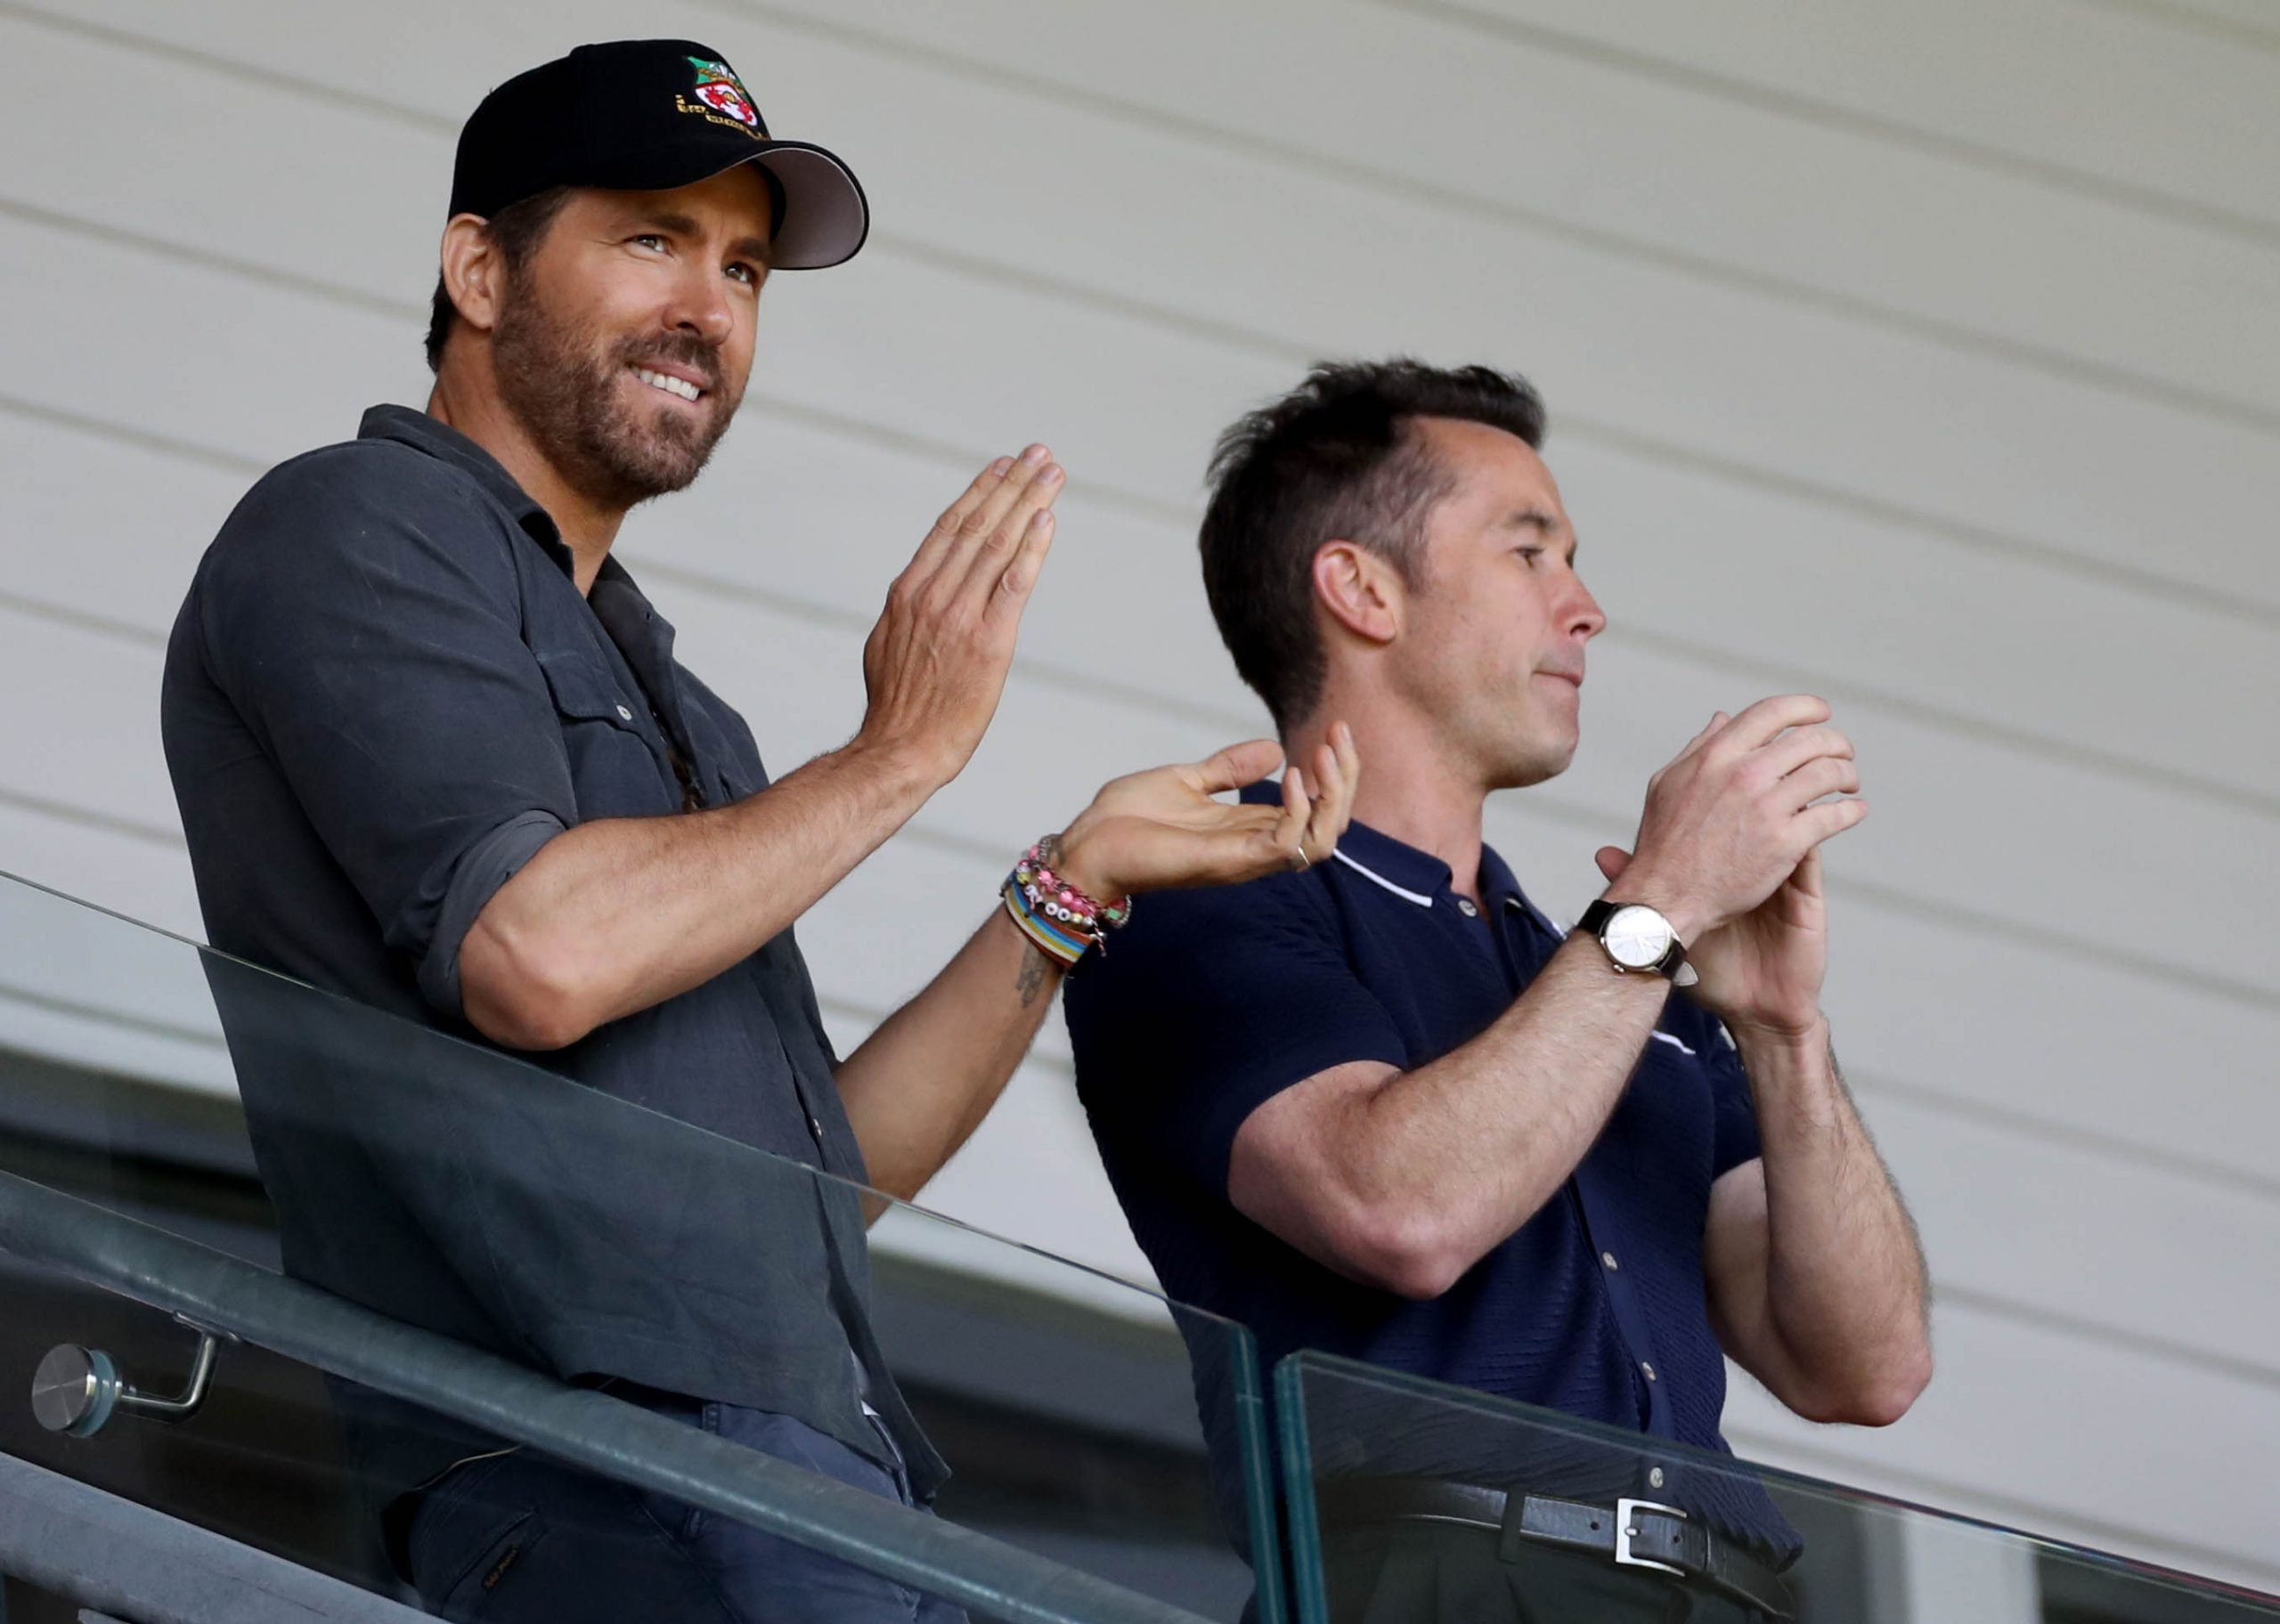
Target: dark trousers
(1415,1571)
(520,1540)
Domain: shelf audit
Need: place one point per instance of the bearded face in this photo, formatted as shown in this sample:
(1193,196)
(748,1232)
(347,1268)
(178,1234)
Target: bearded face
(609,410)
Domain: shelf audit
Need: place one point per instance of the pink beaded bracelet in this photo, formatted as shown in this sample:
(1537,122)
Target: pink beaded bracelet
(1036,889)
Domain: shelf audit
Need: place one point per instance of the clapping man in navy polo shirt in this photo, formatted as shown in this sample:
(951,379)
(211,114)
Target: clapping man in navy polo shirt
(1382,1109)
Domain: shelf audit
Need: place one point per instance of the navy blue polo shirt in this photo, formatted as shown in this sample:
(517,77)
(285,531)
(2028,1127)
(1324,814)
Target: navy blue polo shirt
(1212,1001)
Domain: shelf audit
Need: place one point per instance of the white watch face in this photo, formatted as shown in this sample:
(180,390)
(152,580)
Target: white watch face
(1637,937)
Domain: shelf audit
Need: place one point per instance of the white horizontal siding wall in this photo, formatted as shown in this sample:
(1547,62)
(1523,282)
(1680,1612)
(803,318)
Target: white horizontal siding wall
(1928,358)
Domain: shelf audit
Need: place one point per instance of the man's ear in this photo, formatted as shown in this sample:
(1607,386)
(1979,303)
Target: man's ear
(1360,590)
(474,273)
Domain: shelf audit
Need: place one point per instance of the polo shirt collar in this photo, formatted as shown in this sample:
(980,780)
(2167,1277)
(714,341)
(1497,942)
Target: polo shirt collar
(445,444)
(1395,865)
(1413,875)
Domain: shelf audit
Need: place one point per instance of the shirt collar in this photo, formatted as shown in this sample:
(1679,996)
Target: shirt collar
(445,444)
(632,619)
(1396,866)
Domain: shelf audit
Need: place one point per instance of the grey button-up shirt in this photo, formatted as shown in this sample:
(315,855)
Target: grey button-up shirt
(383,695)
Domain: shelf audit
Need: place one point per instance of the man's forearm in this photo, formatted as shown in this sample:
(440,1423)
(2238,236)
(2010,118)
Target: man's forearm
(920,1085)
(1409,1181)
(1493,1128)
(1845,1280)
(618,914)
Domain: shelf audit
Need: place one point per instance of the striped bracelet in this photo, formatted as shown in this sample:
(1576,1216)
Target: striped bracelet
(1059,919)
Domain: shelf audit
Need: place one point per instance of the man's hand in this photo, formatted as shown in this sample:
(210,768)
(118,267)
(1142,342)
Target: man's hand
(1762,972)
(925,1078)
(1729,851)
(1161,830)
(936,664)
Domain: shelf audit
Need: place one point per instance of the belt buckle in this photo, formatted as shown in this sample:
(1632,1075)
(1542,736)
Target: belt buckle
(1625,1530)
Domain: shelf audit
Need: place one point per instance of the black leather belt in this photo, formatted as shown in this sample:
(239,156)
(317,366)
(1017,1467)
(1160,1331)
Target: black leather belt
(1644,1534)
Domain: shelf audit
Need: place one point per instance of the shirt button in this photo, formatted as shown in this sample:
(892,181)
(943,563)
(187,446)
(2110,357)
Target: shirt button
(816,1127)
(623,714)
(1649,1368)
(1608,1259)
(1655,1478)
(1465,907)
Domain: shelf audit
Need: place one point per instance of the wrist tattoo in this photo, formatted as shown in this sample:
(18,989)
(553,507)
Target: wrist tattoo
(1030,982)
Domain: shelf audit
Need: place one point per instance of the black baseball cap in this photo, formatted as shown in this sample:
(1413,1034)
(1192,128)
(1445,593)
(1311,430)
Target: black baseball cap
(648,114)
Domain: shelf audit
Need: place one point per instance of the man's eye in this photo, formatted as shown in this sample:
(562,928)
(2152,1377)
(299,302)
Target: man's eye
(1530,553)
(650,239)
(744,273)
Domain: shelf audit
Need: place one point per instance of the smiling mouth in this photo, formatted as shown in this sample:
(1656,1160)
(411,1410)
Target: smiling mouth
(679,388)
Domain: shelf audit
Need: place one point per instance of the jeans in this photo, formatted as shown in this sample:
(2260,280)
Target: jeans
(518,1539)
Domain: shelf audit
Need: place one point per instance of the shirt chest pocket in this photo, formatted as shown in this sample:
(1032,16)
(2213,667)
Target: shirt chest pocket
(618,768)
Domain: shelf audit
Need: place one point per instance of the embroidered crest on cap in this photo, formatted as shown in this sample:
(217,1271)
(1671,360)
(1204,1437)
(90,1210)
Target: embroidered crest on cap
(719,89)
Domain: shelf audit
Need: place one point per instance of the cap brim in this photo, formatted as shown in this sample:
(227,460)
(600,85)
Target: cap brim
(826,217)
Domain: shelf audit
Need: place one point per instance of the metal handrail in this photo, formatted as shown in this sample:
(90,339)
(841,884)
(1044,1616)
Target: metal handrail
(582,1427)
(103,1551)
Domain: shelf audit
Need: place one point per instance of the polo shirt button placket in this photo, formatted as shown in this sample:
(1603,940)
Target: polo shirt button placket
(1465,907)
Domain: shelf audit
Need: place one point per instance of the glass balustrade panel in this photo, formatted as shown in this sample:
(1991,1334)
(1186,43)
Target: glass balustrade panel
(1412,1499)
(548,1229)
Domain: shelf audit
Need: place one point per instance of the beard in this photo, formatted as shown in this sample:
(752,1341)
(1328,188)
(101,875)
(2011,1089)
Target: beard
(562,382)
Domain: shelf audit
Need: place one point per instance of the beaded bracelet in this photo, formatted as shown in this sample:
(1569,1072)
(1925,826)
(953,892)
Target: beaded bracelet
(1058,918)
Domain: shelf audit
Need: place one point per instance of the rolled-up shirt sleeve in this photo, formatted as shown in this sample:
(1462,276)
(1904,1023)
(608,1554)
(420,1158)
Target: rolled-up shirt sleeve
(492,861)
(368,630)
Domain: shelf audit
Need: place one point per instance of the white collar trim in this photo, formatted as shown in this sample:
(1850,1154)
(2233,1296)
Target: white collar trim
(1374,878)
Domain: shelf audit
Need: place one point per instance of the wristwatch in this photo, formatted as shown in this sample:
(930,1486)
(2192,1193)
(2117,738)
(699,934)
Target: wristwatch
(1636,940)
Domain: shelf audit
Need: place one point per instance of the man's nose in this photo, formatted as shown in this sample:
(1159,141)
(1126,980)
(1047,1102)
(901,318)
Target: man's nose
(1584,615)
(701,306)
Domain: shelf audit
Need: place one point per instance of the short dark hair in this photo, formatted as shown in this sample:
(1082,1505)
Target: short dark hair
(1335,459)
(517,230)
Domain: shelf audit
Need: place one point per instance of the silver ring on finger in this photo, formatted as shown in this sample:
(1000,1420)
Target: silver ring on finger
(1302,862)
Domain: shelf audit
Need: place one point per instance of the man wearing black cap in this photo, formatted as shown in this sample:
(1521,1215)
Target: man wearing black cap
(433,750)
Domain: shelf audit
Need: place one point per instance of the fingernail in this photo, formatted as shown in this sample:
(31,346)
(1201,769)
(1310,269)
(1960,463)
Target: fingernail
(1034,455)
(1002,467)
(1051,476)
